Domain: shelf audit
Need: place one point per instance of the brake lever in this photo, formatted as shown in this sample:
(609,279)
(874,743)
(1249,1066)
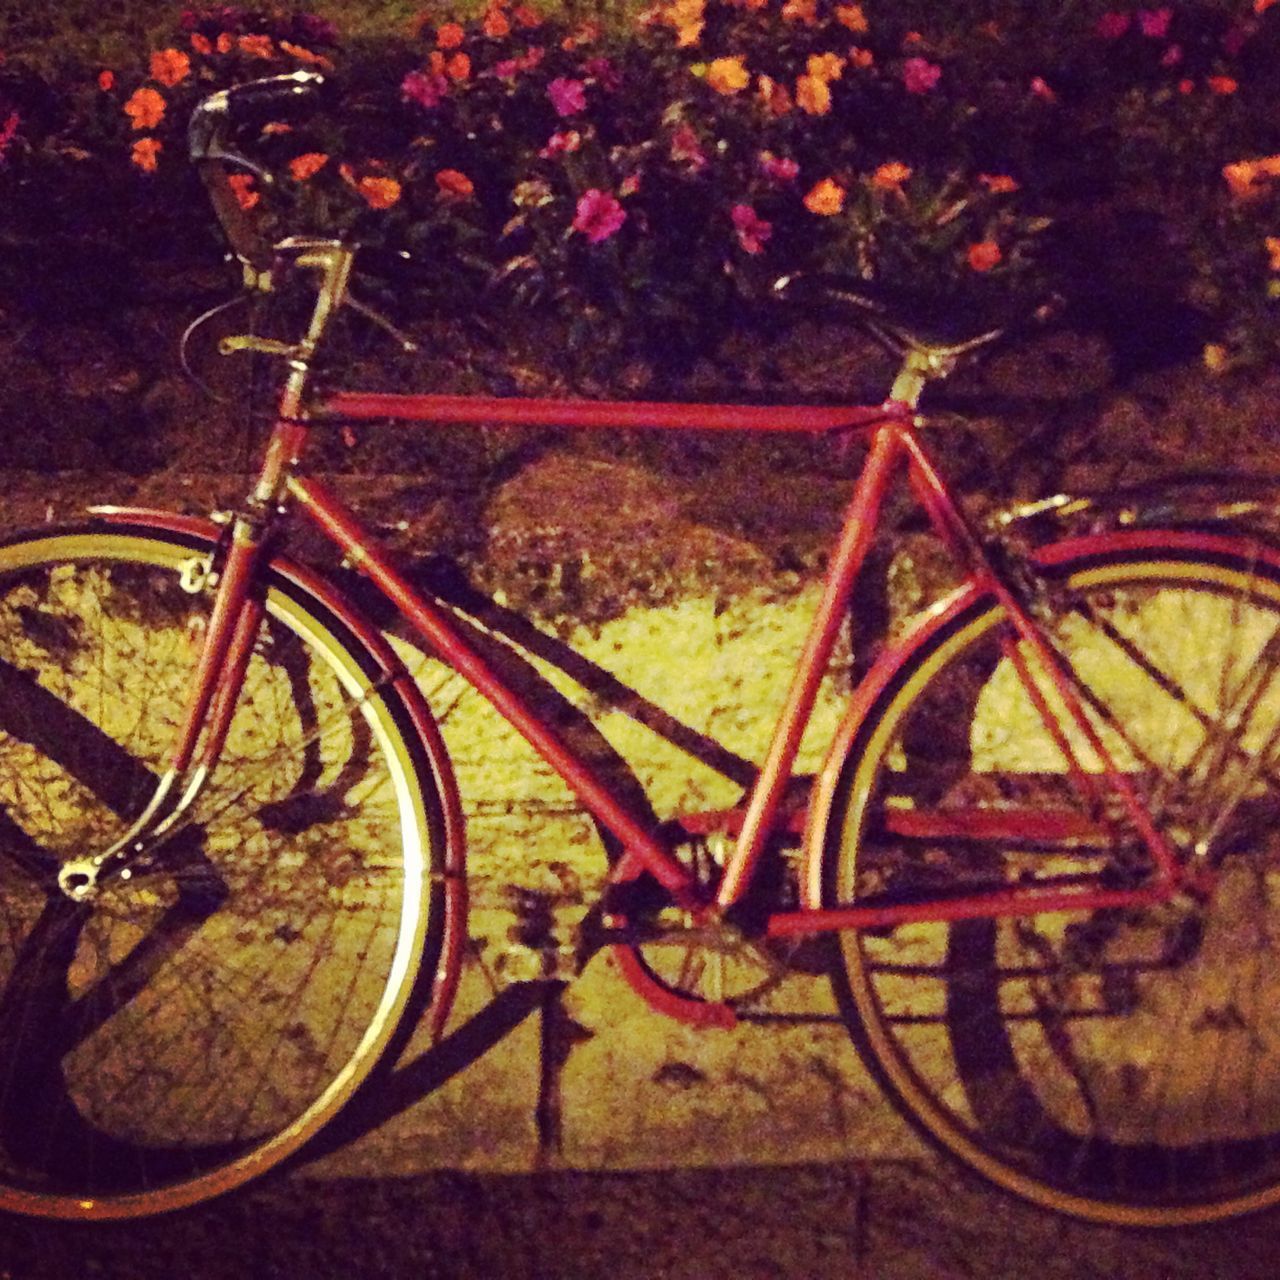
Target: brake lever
(375,317)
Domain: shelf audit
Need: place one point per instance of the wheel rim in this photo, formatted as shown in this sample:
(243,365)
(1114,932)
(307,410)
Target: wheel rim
(1119,1066)
(194,1024)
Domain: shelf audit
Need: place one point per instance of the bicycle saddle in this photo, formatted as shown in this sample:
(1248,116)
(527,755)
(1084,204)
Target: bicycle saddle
(902,323)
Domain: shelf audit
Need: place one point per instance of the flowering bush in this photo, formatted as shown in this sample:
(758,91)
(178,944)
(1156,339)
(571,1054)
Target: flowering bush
(646,182)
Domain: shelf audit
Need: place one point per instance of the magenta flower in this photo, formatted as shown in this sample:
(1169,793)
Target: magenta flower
(1234,40)
(567,96)
(1154,23)
(919,75)
(426,89)
(604,73)
(1171,56)
(598,215)
(752,230)
(1111,26)
(8,131)
(778,168)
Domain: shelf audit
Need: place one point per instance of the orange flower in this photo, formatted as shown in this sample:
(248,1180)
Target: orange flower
(825,66)
(458,67)
(1272,244)
(454,185)
(145,108)
(805,11)
(813,97)
(774,97)
(686,18)
(495,23)
(825,198)
(307,165)
(379,193)
(241,185)
(146,154)
(1261,6)
(1248,179)
(305,56)
(526,16)
(449,36)
(852,17)
(201,44)
(169,67)
(999,184)
(255,46)
(890,176)
(984,255)
(1222,85)
(861,58)
(728,75)
(106,81)
(226,42)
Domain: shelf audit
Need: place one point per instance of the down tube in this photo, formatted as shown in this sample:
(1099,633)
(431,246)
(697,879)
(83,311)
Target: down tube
(343,529)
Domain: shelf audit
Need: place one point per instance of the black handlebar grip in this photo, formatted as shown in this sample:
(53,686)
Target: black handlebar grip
(259,102)
(288,97)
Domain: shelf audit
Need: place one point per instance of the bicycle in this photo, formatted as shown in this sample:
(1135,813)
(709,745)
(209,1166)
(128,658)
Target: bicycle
(232,859)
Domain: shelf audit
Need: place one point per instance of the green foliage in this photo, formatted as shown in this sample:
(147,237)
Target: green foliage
(644,179)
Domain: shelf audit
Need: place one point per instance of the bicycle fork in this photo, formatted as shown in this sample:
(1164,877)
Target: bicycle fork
(224,657)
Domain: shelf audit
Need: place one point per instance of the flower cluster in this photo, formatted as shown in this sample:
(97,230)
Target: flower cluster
(642,180)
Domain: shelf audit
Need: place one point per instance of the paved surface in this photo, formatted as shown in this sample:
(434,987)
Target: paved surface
(476,1162)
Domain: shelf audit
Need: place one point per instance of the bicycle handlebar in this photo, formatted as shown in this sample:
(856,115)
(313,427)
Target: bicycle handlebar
(258,102)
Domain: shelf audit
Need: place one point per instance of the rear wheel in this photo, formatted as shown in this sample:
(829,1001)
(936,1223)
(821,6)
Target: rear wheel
(1121,1065)
(194,1021)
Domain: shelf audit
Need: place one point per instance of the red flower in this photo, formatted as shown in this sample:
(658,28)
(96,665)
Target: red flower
(1111,26)
(919,75)
(752,230)
(598,216)
(1154,23)
(567,96)
(562,142)
(778,168)
(686,149)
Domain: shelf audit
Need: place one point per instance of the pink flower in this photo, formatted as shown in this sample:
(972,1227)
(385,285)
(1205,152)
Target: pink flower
(1154,23)
(567,96)
(1040,89)
(427,89)
(686,149)
(777,168)
(1111,26)
(1171,56)
(920,75)
(752,230)
(598,215)
(562,142)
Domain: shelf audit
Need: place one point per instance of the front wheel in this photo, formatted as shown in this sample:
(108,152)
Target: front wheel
(1121,1065)
(206,1011)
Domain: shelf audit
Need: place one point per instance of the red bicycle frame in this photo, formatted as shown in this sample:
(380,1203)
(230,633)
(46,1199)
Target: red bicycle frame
(892,431)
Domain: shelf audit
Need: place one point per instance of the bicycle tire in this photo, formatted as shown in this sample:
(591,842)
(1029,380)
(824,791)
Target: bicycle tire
(198,1022)
(1122,1065)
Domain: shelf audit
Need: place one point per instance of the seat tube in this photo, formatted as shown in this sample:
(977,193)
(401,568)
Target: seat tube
(848,557)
